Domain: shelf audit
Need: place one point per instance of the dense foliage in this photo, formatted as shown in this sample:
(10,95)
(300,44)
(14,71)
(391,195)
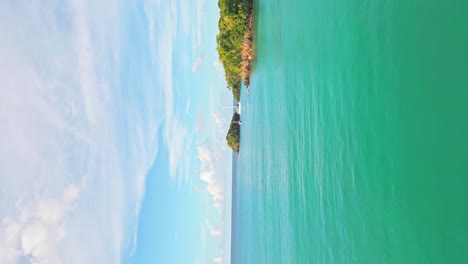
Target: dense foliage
(233,135)
(232,29)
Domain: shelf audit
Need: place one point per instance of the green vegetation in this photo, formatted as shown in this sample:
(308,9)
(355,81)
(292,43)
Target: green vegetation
(233,26)
(234,46)
(233,136)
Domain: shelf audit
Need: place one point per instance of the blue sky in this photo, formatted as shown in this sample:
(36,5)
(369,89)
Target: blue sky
(112,147)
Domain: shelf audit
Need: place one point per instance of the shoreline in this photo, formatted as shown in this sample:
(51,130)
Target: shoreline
(247,52)
(236,52)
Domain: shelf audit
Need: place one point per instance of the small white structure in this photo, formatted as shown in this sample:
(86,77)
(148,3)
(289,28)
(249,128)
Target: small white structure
(238,108)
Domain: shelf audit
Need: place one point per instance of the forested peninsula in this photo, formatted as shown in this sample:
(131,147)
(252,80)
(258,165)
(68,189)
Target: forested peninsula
(233,135)
(234,46)
(235,41)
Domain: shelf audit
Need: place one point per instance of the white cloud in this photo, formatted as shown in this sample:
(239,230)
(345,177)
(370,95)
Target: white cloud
(75,145)
(223,126)
(210,174)
(187,106)
(198,62)
(213,235)
(164,33)
(36,229)
(218,260)
(214,231)
(213,173)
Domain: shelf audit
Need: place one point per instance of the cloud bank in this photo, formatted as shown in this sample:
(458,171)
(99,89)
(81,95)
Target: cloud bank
(33,233)
(76,145)
(211,175)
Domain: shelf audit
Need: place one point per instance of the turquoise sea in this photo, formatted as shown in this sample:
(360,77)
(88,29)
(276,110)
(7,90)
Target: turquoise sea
(354,145)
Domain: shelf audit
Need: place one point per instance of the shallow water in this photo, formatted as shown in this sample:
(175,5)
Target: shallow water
(354,143)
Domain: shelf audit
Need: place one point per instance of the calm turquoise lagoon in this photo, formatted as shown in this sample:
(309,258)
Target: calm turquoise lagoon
(354,145)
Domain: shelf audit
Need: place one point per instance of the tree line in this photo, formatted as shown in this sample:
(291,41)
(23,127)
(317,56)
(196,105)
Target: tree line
(233,25)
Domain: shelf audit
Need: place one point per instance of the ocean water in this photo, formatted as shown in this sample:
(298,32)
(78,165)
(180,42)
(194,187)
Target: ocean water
(354,145)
